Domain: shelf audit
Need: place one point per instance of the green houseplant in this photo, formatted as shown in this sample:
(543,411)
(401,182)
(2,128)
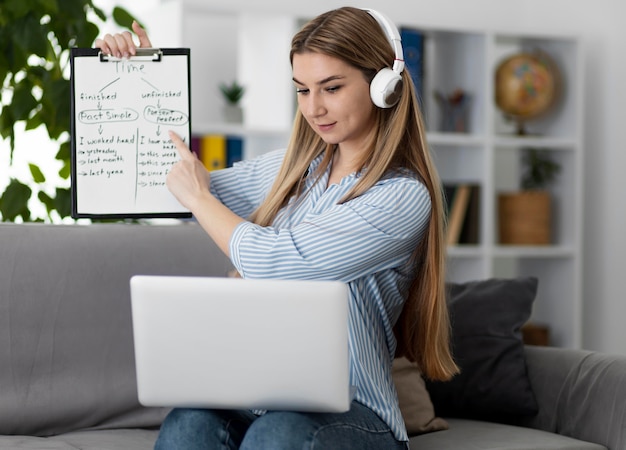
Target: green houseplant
(539,170)
(525,217)
(35,38)
(232,93)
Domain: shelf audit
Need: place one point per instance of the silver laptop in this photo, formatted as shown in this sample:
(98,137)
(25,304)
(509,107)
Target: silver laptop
(231,343)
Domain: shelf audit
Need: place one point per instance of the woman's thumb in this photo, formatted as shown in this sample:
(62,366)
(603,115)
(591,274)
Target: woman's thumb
(144,41)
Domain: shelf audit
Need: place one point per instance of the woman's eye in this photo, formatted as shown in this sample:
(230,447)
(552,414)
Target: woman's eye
(332,89)
(302,91)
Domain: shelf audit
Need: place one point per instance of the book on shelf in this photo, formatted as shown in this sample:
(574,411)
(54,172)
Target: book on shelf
(470,232)
(463,209)
(413,49)
(218,151)
(213,151)
(196,142)
(234,150)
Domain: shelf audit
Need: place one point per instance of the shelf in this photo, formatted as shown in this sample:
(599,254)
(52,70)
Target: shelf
(464,251)
(455,139)
(512,251)
(517,251)
(552,143)
(239,130)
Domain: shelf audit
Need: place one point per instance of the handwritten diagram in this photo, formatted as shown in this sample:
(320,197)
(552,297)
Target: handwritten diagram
(123,110)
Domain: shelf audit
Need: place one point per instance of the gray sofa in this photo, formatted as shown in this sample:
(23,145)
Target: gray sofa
(67,375)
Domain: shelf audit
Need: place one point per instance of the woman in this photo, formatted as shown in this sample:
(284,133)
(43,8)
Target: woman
(355,197)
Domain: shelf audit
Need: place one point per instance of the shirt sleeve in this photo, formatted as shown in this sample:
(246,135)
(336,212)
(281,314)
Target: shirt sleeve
(244,186)
(376,231)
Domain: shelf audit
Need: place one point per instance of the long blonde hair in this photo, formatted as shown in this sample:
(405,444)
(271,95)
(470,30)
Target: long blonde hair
(355,37)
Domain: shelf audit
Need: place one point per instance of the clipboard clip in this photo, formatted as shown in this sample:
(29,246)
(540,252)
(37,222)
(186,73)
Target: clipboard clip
(143,54)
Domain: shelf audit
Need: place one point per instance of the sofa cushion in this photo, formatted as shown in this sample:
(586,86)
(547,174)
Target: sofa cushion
(486,318)
(415,404)
(471,434)
(116,439)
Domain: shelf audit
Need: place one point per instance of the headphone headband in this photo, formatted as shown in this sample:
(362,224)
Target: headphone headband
(386,86)
(393,36)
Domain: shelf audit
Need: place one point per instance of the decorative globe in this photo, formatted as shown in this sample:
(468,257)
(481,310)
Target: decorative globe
(526,86)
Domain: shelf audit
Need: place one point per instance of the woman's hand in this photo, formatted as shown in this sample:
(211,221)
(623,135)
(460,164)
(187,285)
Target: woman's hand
(189,182)
(121,45)
(188,179)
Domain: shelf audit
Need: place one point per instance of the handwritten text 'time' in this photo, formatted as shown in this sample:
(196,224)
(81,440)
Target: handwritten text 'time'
(126,67)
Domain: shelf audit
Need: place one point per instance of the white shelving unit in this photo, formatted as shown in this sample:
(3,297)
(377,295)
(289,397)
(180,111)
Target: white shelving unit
(488,154)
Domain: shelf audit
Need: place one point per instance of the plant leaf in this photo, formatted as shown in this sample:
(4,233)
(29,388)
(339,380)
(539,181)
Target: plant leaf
(32,42)
(17,8)
(63,202)
(56,107)
(64,152)
(101,15)
(23,100)
(37,174)
(123,18)
(6,122)
(47,201)
(14,201)
(66,170)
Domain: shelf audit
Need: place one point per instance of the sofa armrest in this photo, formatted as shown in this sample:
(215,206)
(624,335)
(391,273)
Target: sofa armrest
(581,394)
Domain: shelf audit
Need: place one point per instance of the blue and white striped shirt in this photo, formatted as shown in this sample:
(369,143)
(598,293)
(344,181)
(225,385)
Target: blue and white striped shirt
(366,243)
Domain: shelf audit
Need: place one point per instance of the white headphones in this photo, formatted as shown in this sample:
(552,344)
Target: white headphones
(386,87)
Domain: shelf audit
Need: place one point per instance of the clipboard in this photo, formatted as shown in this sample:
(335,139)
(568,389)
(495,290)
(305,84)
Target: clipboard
(122,110)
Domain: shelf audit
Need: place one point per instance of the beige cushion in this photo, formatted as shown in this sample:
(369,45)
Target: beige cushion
(415,404)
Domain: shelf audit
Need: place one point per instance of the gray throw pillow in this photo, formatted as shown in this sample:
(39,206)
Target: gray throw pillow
(486,318)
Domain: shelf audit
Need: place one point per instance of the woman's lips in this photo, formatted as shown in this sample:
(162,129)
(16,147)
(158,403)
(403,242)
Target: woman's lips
(326,127)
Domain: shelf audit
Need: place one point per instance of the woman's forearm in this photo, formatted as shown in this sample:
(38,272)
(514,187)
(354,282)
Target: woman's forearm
(216,219)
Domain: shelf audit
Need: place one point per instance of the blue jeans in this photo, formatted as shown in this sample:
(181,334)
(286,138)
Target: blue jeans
(359,429)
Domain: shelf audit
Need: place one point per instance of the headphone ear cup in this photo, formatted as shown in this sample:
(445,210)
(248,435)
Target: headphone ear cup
(386,88)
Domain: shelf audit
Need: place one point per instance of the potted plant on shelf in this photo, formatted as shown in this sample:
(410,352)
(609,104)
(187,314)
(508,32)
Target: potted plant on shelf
(233,92)
(525,217)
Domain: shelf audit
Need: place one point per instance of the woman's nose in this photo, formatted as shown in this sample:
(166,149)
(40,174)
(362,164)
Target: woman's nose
(315,106)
